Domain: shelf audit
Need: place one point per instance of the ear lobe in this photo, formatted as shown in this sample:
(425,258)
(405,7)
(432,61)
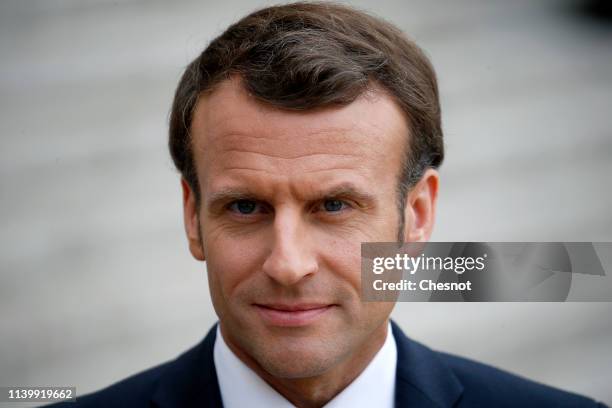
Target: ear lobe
(191,220)
(420,211)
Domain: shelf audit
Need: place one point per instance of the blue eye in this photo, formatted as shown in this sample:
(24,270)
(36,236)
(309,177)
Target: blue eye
(333,205)
(244,207)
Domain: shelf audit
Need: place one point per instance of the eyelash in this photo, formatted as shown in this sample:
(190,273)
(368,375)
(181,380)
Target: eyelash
(236,202)
(346,206)
(320,207)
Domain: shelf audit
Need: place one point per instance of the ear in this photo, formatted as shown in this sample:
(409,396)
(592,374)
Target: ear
(192,224)
(420,211)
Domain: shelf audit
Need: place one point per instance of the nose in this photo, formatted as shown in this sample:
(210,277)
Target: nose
(291,258)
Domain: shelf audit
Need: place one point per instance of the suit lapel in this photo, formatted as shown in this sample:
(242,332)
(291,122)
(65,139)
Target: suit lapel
(191,380)
(422,379)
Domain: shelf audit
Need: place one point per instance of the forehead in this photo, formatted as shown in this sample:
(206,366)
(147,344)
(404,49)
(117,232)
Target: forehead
(233,133)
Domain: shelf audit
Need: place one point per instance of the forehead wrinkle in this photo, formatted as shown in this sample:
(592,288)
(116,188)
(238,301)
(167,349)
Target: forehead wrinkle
(292,158)
(352,141)
(267,139)
(300,186)
(341,146)
(245,148)
(290,166)
(259,121)
(337,135)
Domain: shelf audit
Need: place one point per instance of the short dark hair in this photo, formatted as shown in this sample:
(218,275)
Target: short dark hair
(307,55)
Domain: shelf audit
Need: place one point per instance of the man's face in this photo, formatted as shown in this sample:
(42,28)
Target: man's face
(287,199)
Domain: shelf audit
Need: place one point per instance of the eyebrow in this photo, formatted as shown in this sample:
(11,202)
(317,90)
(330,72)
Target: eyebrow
(219,198)
(346,190)
(365,199)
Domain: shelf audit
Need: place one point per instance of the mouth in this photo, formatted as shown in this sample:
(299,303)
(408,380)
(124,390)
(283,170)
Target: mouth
(292,315)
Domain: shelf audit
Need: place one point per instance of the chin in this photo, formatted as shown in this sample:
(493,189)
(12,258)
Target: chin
(298,366)
(297,358)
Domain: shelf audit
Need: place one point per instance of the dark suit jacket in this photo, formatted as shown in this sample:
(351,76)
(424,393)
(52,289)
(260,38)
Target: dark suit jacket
(425,378)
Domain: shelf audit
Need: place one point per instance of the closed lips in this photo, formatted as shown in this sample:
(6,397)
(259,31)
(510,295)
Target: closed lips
(294,308)
(284,315)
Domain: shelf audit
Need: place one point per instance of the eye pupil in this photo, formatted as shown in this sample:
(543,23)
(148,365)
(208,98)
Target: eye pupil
(245,206)
(333,205)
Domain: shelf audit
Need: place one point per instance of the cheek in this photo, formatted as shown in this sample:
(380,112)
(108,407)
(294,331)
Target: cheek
(342,258)
(340,263)
(230,263)
(340,249)
(374,314)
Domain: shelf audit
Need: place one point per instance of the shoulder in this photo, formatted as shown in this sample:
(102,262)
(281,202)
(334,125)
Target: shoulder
(444,380)
(188,381)
(484,384)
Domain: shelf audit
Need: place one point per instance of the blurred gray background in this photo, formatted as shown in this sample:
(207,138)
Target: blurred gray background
(96,280)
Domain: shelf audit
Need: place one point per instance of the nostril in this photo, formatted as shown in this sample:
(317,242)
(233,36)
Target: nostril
(289,270)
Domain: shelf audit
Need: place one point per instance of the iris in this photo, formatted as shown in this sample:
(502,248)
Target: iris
(333,205)
(244,206)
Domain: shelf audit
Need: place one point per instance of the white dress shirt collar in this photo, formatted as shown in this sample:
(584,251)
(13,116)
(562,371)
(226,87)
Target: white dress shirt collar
(242,387)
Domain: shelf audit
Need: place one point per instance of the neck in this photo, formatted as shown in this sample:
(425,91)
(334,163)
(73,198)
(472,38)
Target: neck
(316,391)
